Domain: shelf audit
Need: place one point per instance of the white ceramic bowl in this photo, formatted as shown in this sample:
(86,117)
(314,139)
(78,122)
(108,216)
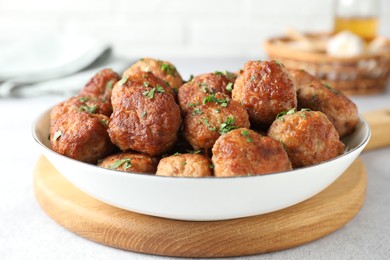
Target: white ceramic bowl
(201,199)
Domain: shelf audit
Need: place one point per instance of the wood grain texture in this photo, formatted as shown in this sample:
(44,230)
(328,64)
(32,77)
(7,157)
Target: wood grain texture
(293,226)
(379,122)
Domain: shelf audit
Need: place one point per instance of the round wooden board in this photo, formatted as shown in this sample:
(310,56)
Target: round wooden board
(108,225)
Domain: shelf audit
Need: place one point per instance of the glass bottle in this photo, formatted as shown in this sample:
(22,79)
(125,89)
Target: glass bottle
(357,16)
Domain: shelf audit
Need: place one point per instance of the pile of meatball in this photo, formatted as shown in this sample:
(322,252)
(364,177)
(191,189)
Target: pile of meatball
(261,120)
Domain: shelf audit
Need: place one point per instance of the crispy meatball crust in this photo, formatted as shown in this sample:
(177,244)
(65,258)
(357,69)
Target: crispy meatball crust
(100,85)
(130,162)
(146,117)
(320,96)
(82,136)
(194,91)
(203,124)
(184,165)
(243,152)
(264,89)
(80,103)
(308,136)
(163,69)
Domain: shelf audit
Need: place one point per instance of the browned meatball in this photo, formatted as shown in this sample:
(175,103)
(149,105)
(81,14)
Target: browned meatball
(100,85)
(184,165)
(194,91)
(82,136)
(243,152)
(265,89)
(308,136)
(146,117)
(130,162)
(320,96)
(300,78)
(89,104)
(217,114)
(162,69)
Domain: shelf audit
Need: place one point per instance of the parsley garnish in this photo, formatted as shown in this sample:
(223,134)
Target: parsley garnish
(209,126)
(212,98)
(126,164)
(279,63)
(122,81)
(245,133)
(229,87)
(252,78)
(328,86)
(192,105)
(109,84)
(104,122)
(227,126)
(177,153)
(144,114)
(146,84)
(194,152)
(218,73)
(150,93)
(168,68)
(197,111)
(84,99)
(88,109)
(57,135)
(280,114)
(211,166)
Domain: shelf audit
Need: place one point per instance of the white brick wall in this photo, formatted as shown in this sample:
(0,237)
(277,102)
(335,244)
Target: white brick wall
(172,28)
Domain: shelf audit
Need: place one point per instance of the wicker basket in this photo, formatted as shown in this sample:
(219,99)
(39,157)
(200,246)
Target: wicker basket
(359,75)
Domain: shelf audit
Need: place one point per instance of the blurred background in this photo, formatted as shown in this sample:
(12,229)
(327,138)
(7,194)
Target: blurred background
(174,28)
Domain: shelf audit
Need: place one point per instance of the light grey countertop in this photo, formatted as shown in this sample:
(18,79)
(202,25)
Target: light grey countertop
(26,232)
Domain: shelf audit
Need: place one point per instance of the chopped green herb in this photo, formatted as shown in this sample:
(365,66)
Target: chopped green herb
(192,105)
(103,121)
(144,114)
(197,111)
(211,166)
(246,134)
(177,153)
(218,110)
(284,145)
(109,84)
(167,68)
(229,87)
(88,109)
(204,89)
(191,77)
(212,98)
(147,69)
(84,99)
(146,84)
(57,135)
(328,86)
(229,75)
(252,78)
(227,126)
(209,126)
(279,63)
(302,70)
(122,81)
(218,73)
(280,114)
(184,162)
(126,162)
(150,93)
(194,152)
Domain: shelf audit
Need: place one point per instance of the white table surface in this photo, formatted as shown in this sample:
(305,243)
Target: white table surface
(26,232)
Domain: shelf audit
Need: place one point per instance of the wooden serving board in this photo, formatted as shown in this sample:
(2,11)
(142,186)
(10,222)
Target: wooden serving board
(293,226)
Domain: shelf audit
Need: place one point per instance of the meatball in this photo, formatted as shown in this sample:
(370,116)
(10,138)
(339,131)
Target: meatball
(320,96)
(243,152)
(146,117)
(194,91)
(79,103)
(308,136)
(265,89)
(130,162)
(82,136)
(300,78)
(184,165)
(217,115)
(162,69)
(100,85)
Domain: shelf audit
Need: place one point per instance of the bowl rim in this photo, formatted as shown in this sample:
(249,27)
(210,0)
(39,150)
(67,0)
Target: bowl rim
(46,113)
